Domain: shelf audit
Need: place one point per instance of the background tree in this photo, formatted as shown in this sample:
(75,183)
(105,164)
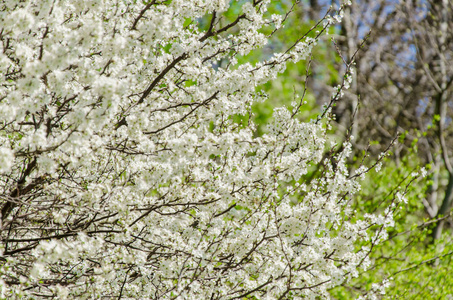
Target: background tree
(405,84)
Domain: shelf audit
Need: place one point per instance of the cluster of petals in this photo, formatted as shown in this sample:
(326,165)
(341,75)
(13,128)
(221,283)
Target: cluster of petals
(125,173)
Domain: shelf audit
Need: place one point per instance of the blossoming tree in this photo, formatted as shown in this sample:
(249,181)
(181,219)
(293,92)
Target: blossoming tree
(123,174)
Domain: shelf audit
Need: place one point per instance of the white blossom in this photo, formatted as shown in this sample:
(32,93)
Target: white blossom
(124,175)
(6,159)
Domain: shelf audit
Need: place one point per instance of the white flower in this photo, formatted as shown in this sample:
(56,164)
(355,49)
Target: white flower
(423,172)
(6,159)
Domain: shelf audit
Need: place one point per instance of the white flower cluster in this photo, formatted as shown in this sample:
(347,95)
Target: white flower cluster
(123,174)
